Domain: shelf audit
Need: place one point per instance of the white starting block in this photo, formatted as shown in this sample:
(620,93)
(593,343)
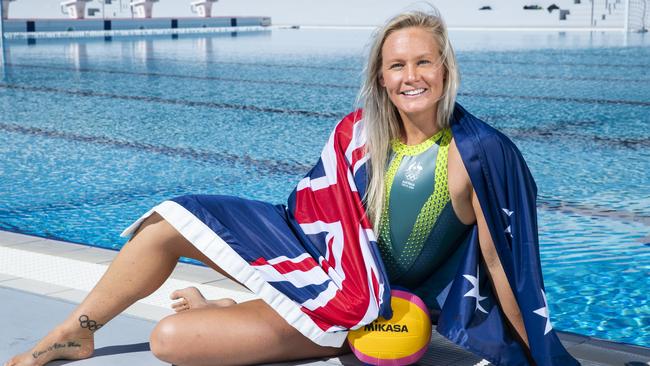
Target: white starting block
(74,8)
(203,7)
(142,8)
(5,8)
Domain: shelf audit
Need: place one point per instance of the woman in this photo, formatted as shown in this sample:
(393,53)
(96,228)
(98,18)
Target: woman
(437,222)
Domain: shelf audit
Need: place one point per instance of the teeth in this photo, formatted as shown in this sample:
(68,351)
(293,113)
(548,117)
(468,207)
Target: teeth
(413,92)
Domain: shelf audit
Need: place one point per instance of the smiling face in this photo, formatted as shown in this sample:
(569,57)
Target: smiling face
(412,73)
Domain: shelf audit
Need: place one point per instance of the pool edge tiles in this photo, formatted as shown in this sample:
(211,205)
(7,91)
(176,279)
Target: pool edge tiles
(68,271)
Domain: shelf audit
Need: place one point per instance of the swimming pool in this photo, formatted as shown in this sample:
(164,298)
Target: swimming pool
(93,133)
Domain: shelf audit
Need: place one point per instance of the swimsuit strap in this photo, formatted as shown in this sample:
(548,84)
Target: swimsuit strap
(429,212)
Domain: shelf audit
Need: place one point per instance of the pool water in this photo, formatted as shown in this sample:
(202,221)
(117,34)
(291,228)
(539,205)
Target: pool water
(93,133)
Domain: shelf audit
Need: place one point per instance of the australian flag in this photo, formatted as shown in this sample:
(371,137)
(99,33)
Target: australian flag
(316,260)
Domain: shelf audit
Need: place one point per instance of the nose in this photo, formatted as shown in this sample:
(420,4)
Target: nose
(412,73)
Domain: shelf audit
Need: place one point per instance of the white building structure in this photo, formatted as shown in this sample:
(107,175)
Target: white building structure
(75,9)
(609,14)
(203,7)
(141,8)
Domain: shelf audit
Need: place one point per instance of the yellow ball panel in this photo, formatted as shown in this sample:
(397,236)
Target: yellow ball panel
(377,339)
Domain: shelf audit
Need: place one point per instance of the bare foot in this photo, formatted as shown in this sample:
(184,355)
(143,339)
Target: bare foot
(61,343)
(191,298)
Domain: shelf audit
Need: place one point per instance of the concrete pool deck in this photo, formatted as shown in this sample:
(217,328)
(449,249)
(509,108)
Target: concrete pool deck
(42,280)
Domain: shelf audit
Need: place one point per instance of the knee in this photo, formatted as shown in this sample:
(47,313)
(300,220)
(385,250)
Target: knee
(152,219)
(155,231)
(164,340)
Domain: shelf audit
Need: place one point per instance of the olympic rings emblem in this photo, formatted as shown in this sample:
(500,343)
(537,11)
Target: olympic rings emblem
(85,322)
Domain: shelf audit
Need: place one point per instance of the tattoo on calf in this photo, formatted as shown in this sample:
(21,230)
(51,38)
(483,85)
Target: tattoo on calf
(85,322)
(56,346)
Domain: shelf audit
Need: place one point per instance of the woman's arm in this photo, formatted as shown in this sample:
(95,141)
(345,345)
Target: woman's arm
(497,275)
(468,210)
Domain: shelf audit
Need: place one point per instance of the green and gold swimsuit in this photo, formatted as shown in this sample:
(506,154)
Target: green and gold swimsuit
(421,238)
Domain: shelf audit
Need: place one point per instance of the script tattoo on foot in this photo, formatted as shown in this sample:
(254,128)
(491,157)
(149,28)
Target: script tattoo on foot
(55,346)
(86,322)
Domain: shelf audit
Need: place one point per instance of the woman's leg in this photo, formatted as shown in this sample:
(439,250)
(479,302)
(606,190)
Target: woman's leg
(241,334)
(140,268)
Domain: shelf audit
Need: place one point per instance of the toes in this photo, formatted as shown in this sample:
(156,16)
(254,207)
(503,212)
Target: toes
(180,305)
(185,292)
(181,308)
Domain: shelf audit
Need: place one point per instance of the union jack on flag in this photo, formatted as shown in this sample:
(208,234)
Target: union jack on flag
(351,284)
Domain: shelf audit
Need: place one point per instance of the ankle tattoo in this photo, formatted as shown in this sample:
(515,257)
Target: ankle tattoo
(91,325)
(55,346)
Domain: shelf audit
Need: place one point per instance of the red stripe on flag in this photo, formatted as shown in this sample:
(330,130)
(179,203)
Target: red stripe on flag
(287,265)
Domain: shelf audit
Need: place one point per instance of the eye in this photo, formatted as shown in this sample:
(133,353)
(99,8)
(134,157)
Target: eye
(424,62)
(395,66)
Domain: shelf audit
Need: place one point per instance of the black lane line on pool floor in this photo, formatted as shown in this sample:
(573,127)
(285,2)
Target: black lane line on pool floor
(192,77)
(558,99)
(183,102)
(243,107)
(264,165)
(554,77)
(581,209)
(324,85)
(549,131)
(552,63)
(97,199)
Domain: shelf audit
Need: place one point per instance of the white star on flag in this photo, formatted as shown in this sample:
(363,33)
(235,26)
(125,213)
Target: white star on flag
(509,213)
(474,292)
(544,313)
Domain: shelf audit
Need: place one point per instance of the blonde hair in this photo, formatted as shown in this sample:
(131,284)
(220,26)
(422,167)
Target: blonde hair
(381,118)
